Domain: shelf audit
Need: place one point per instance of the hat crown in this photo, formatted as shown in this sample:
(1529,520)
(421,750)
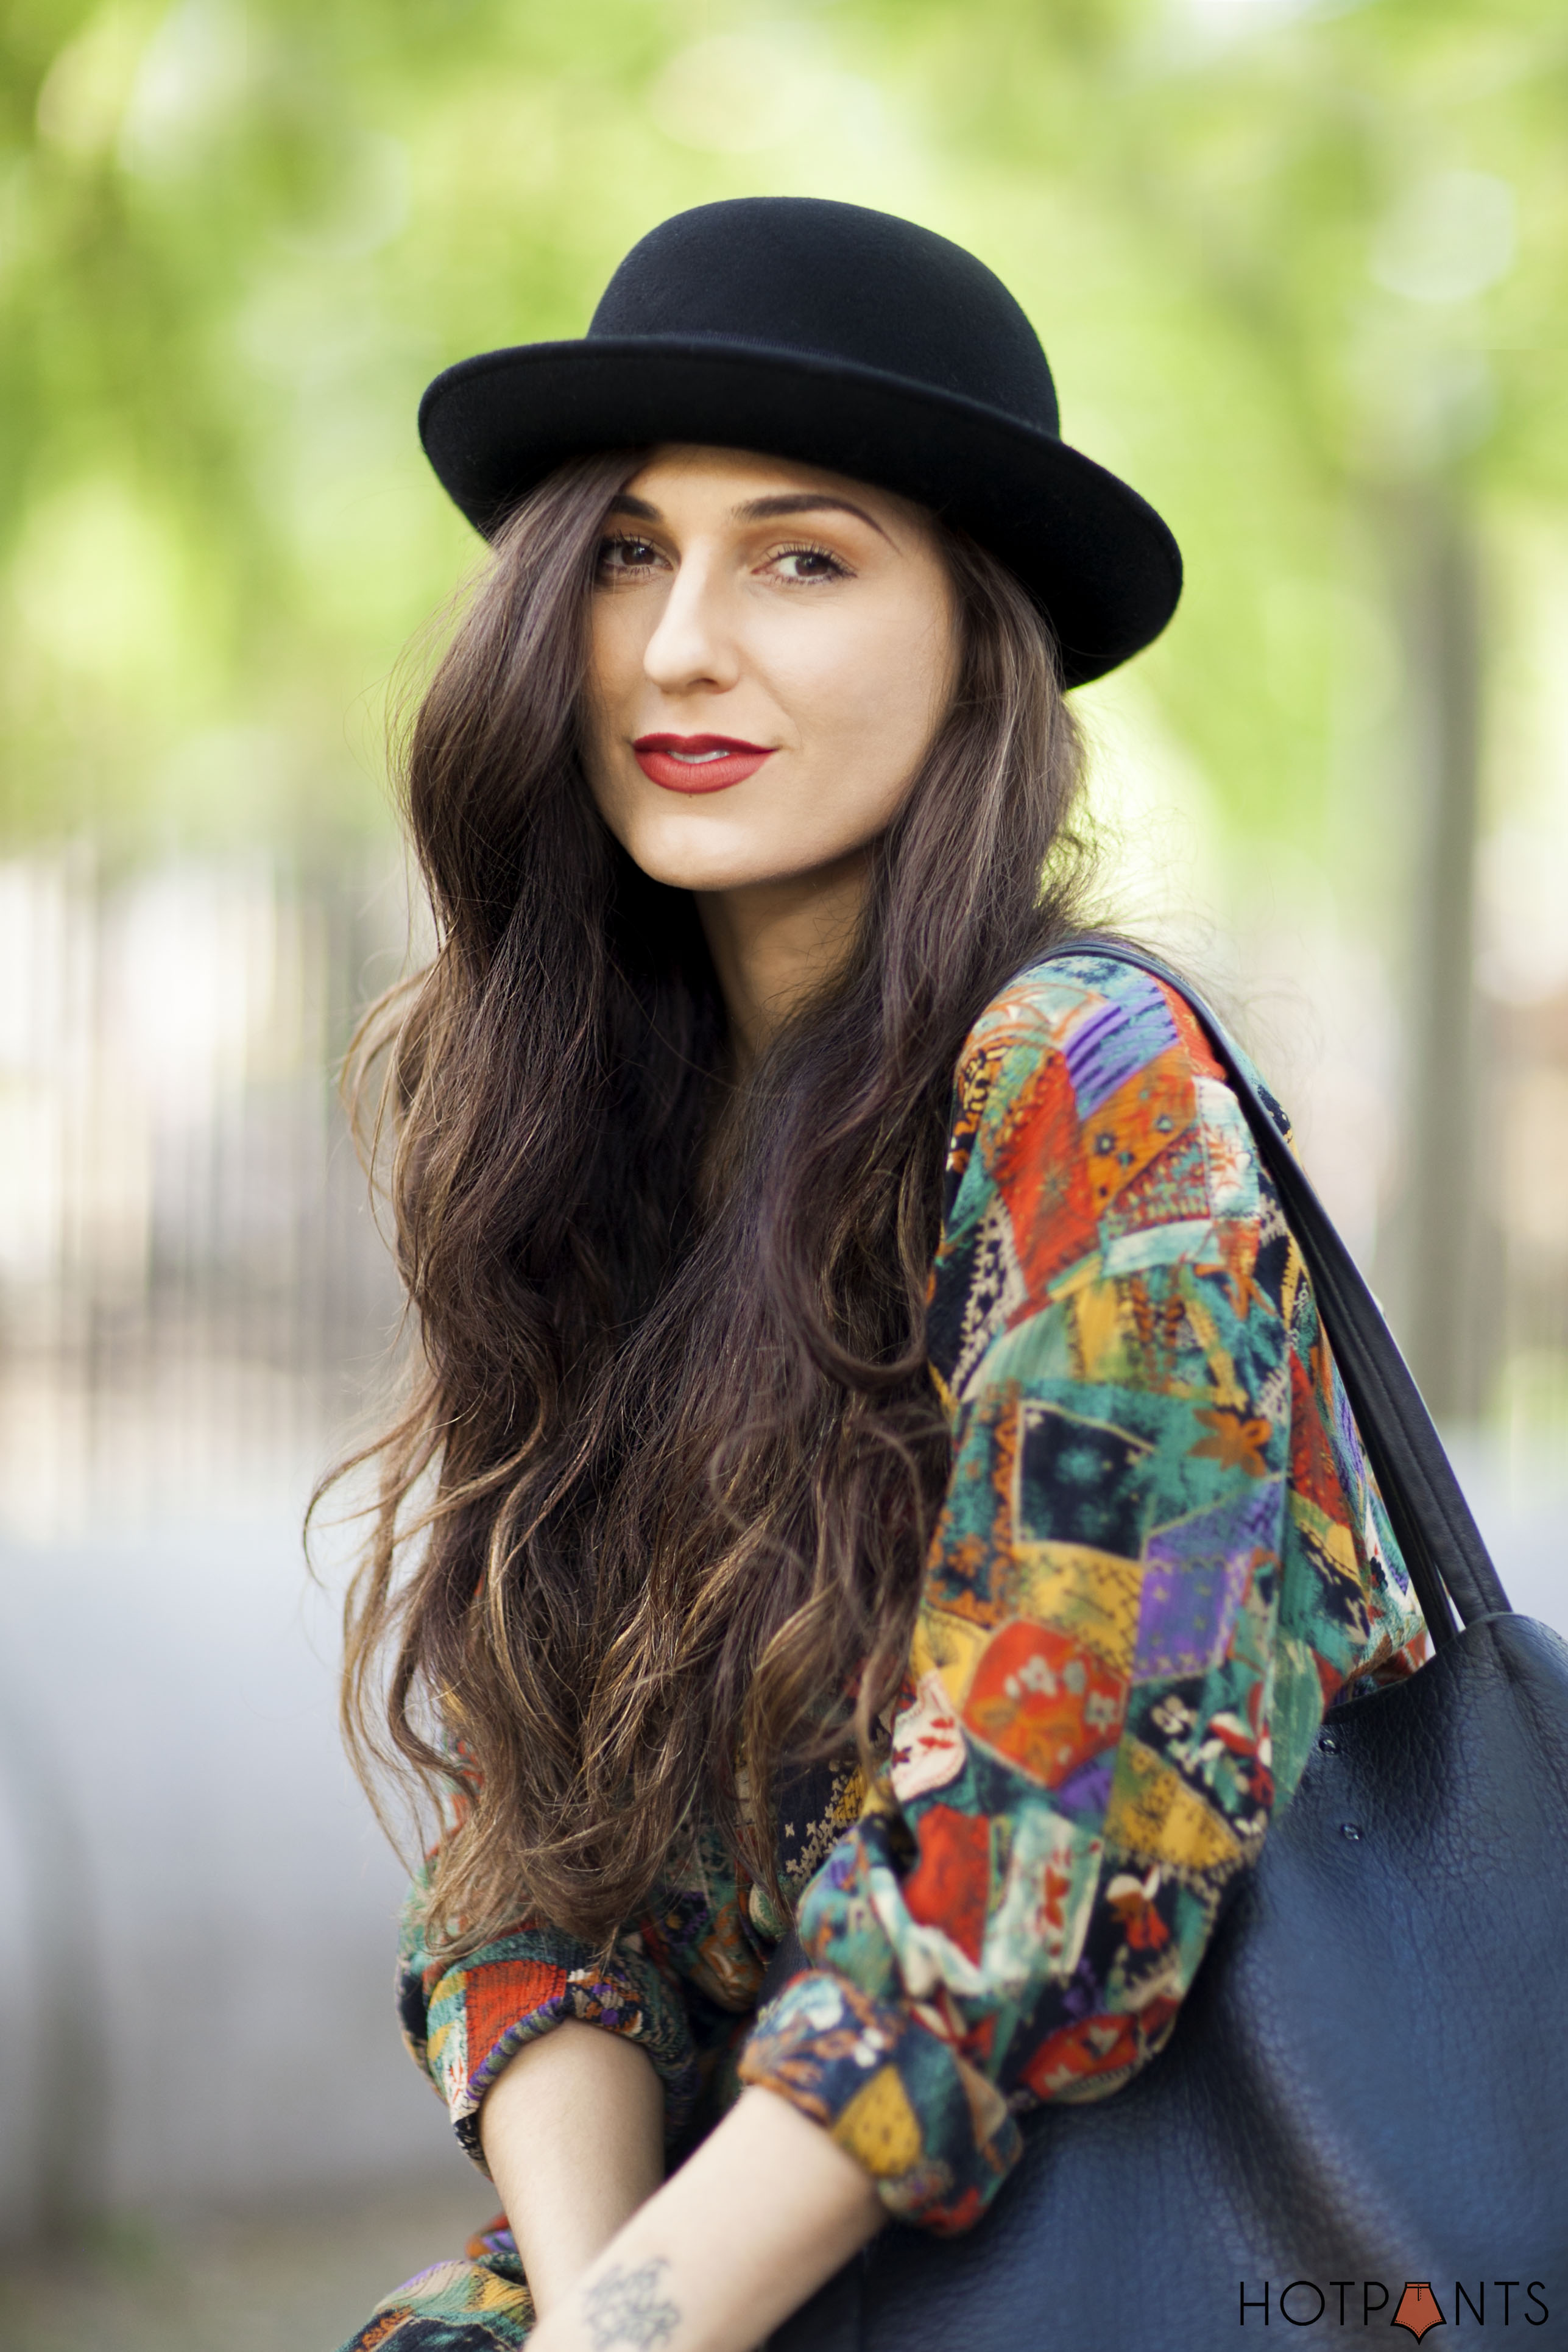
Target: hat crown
(837,282)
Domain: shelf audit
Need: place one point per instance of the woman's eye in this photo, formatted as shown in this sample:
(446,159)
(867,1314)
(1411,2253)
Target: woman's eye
(804,563)
(622,555)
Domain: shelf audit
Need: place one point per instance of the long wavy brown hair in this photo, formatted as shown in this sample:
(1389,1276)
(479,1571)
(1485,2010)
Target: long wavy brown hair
(661,1490)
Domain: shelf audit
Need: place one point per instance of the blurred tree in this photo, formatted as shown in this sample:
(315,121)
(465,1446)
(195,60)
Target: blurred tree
(1282,258)
(1296,266)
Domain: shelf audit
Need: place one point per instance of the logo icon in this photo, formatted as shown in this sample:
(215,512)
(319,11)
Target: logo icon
(1419,2309)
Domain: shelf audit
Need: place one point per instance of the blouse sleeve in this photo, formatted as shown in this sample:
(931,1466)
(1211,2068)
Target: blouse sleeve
(674,1983)
(1104,1700)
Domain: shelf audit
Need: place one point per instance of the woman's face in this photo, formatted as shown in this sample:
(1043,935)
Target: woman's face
(772,650)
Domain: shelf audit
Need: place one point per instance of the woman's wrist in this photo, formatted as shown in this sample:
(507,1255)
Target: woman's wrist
(766,2210)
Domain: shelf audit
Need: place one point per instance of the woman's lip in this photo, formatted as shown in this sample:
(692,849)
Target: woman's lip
(697,763)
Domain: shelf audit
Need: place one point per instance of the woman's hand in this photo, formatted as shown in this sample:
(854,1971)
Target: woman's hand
(766,2210)
(574,2135)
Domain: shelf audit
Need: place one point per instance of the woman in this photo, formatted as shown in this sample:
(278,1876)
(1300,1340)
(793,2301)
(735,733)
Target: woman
(924,1511)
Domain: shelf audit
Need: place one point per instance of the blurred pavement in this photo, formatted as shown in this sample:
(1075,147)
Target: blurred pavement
(283,2278)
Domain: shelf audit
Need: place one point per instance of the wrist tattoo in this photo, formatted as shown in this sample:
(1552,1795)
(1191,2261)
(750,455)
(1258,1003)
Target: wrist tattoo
(627,2307)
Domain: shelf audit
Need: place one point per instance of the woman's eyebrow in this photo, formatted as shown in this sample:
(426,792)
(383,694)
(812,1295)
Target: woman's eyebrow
(803,502)
(786,502)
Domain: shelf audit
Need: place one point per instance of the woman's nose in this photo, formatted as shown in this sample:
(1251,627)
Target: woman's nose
(693,644)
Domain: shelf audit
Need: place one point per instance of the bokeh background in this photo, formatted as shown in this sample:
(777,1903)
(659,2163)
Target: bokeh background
(1299,272)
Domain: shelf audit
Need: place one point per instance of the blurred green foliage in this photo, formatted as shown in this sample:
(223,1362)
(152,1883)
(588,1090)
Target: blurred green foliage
(1285,258)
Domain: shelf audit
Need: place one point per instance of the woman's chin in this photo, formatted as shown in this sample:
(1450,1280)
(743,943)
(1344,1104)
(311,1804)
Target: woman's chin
(714,857)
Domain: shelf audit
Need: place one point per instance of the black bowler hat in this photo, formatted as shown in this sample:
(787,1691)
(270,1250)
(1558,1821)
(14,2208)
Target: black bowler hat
(841,338)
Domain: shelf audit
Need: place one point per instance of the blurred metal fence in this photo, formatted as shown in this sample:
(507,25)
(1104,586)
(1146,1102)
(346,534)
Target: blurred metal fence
(193,1294)
(192,1289)
(1525,1235)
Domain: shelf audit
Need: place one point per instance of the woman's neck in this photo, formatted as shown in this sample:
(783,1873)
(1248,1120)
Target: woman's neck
(773,943)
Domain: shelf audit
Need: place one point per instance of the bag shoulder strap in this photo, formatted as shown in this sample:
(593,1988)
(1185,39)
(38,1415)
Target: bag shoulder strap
(1443,1547)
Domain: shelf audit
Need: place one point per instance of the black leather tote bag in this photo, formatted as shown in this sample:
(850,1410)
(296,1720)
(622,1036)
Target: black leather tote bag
(1360,2121)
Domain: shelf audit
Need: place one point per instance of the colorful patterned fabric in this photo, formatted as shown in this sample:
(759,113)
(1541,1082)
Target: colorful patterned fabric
(1161,1556)
(480,2303)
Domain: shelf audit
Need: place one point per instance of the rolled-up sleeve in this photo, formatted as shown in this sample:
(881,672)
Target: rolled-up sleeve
(463,2020)
(1089,1746)
(674,1983)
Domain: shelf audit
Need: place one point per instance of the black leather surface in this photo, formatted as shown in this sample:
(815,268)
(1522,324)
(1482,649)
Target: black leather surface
(1368,2082)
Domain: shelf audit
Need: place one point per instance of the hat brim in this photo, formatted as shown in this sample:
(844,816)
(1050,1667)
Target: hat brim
(1095,556)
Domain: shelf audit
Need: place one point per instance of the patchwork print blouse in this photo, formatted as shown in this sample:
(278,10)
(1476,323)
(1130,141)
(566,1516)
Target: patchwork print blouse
(1161,1556)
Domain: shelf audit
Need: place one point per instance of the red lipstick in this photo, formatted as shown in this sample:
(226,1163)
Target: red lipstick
(699,763)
